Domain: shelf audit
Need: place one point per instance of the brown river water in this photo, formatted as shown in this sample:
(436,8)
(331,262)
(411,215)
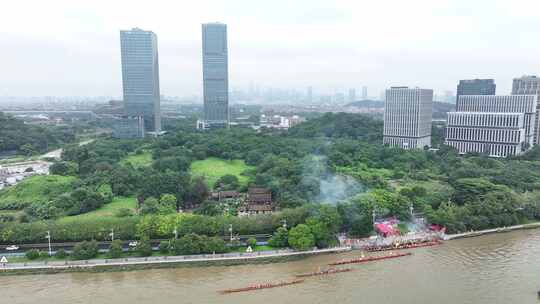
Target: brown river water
(498,268)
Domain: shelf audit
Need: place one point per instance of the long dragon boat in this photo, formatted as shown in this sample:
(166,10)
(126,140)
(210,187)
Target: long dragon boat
(262,286)
(402,246)
(370,259)
(323,272)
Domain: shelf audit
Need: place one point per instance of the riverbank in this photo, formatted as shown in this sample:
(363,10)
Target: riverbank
(490,231)
(103,265)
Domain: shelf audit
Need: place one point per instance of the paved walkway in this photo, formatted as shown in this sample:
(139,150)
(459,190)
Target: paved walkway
(489,231)
(165,259)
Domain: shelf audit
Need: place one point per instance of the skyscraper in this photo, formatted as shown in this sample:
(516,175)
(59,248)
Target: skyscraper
(494,125)
(364,93)
(140,76)
(407,117)
(215,75)
(352,95)
(529,85)
(476,87)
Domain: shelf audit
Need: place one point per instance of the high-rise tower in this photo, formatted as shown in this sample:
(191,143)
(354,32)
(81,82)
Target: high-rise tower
(215,75)
(140,76)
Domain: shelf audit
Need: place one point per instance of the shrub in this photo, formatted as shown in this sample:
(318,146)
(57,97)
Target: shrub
(252,242)
(280,238)
(213,245)
(60,254)
(115,250)
(85,250)
(123,212)
(144,248)
(32,254)
(164,246)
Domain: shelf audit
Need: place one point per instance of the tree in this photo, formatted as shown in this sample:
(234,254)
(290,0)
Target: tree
(63,168)
(321,233)
(227,182)
(280,238)
(164,246)
(85,250)
(150,206)
(210,208)
(213,245)
(60,254)
(144,248)
(301,238)
(188,244)
(115,250)
(167,204)
(251,242)
(32,254)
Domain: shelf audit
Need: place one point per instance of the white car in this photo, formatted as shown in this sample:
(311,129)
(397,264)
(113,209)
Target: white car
(12,248)
(133,244)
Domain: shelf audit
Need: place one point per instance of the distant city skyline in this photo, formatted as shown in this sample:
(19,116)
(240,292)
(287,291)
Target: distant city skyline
(280,44)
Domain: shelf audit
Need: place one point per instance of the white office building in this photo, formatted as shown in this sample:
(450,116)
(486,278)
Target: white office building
(529,85)
(407,117)
(494,125)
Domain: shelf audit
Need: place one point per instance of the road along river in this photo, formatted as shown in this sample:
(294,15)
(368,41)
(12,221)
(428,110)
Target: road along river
(496,268)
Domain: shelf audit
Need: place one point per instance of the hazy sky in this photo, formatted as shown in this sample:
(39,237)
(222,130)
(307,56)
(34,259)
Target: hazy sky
(71,47)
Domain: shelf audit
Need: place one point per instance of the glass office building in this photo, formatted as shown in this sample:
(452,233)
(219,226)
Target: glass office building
(140,76)
(215,75)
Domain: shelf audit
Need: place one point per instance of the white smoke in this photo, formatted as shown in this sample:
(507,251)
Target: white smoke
(332,187)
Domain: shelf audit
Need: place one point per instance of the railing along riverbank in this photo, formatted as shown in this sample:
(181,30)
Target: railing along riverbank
(164,260)
(490,231)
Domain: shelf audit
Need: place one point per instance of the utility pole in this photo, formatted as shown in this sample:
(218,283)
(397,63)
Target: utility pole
(48,236)
(112,234)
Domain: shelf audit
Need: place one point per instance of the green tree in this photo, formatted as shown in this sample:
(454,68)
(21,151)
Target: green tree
(188,244)
(167,204)
(301,238)
(144,248)
(164,247)
(150,206)
(115,249)
(227,182)
(60,254)
(85,250)
(252,242)
(280,238)
(63,168)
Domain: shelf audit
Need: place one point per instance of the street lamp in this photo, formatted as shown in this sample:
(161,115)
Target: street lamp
(48,237)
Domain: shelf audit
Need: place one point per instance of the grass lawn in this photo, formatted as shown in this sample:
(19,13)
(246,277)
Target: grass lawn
(214,168)
(108,210)
(37,188)
(138,160)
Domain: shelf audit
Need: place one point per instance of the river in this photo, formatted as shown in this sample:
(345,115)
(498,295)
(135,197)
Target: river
(497,268)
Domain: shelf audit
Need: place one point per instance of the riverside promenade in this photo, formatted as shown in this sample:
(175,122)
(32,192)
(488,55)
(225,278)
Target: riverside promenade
(162,261)
(490,231)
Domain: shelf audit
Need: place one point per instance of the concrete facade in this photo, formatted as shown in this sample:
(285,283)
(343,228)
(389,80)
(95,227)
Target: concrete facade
(407,117)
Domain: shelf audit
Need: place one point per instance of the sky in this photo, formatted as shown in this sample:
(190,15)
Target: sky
(72,47)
